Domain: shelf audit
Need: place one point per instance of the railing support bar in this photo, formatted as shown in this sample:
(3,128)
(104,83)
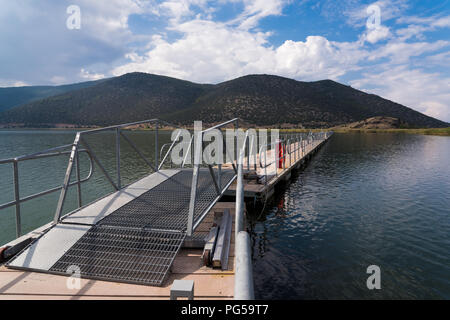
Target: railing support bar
(99,164)
(197,160)
(17,199)
(137,151)
(65,186)
(77,163)
(213,176)
(156,147)
(119,184)
(168,151)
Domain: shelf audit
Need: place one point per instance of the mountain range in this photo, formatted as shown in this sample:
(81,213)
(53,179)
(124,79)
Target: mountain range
(16,96)
(261,100)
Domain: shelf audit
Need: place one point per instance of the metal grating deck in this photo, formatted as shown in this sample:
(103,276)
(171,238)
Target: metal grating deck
(134,256)
(166,206)
(135,243)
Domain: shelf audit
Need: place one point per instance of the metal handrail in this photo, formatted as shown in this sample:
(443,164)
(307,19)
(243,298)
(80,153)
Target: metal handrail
(298,140)
(198,143)
(53,152)
(79,139)
(187,152)
(243,282)
(162,150)
(118,126)
(168,151)
(224,124)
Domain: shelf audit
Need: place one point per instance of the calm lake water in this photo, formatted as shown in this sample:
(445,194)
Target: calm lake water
(39,175)
(364,199)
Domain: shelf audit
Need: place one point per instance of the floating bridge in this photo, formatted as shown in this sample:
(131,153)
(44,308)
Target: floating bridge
(134,234)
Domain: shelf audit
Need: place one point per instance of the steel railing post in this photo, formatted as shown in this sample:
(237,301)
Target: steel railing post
(236,129)
(219,165)
(244,276)
(197,160)
(77,163)
(265,166)
(119,184)
(156,146)
(163,159)
(17,198)
(219,175)
(240,199)
(290,148)
(255,147)
(65,186)
(248,156)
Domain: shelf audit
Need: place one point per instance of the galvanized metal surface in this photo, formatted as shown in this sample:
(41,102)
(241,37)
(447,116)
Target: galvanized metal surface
(243,281)
(134,240)
(96,211)
(50,247)
(243,285)
(165,207)
(119,254)
(53,152)
(134,234)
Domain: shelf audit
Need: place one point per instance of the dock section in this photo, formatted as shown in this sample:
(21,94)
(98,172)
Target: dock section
(135,242)
(267,175)
(210,283)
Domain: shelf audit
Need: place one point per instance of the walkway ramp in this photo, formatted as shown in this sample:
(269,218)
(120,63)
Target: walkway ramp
(132,235)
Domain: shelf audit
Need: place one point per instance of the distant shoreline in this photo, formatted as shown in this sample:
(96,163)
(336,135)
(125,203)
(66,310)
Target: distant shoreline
(423,131)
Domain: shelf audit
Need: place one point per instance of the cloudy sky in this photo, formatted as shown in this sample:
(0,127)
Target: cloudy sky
(395,48)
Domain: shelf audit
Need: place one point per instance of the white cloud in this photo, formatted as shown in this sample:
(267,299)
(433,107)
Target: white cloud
(426,92)
(255,10)
(441,22)
(34,36)
(436,110)
(12,83)
(418,26)
(377,34)
(317,58)
(389,9)
(57,80)
(440,59)
(401,52)
(90,76)
(212,52)
(107,20)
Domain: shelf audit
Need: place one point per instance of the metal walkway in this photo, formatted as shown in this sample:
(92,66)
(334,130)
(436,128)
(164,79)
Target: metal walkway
(133,234)
(125,255)
(165,207)
(135,242)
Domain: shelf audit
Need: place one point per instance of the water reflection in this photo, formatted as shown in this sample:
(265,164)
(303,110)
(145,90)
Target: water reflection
(39,175)
(364,199)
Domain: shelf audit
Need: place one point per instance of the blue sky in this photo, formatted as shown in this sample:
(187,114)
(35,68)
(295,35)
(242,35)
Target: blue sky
(403,56)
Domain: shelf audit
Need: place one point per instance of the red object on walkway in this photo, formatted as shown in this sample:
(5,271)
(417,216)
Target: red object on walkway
(280,154)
